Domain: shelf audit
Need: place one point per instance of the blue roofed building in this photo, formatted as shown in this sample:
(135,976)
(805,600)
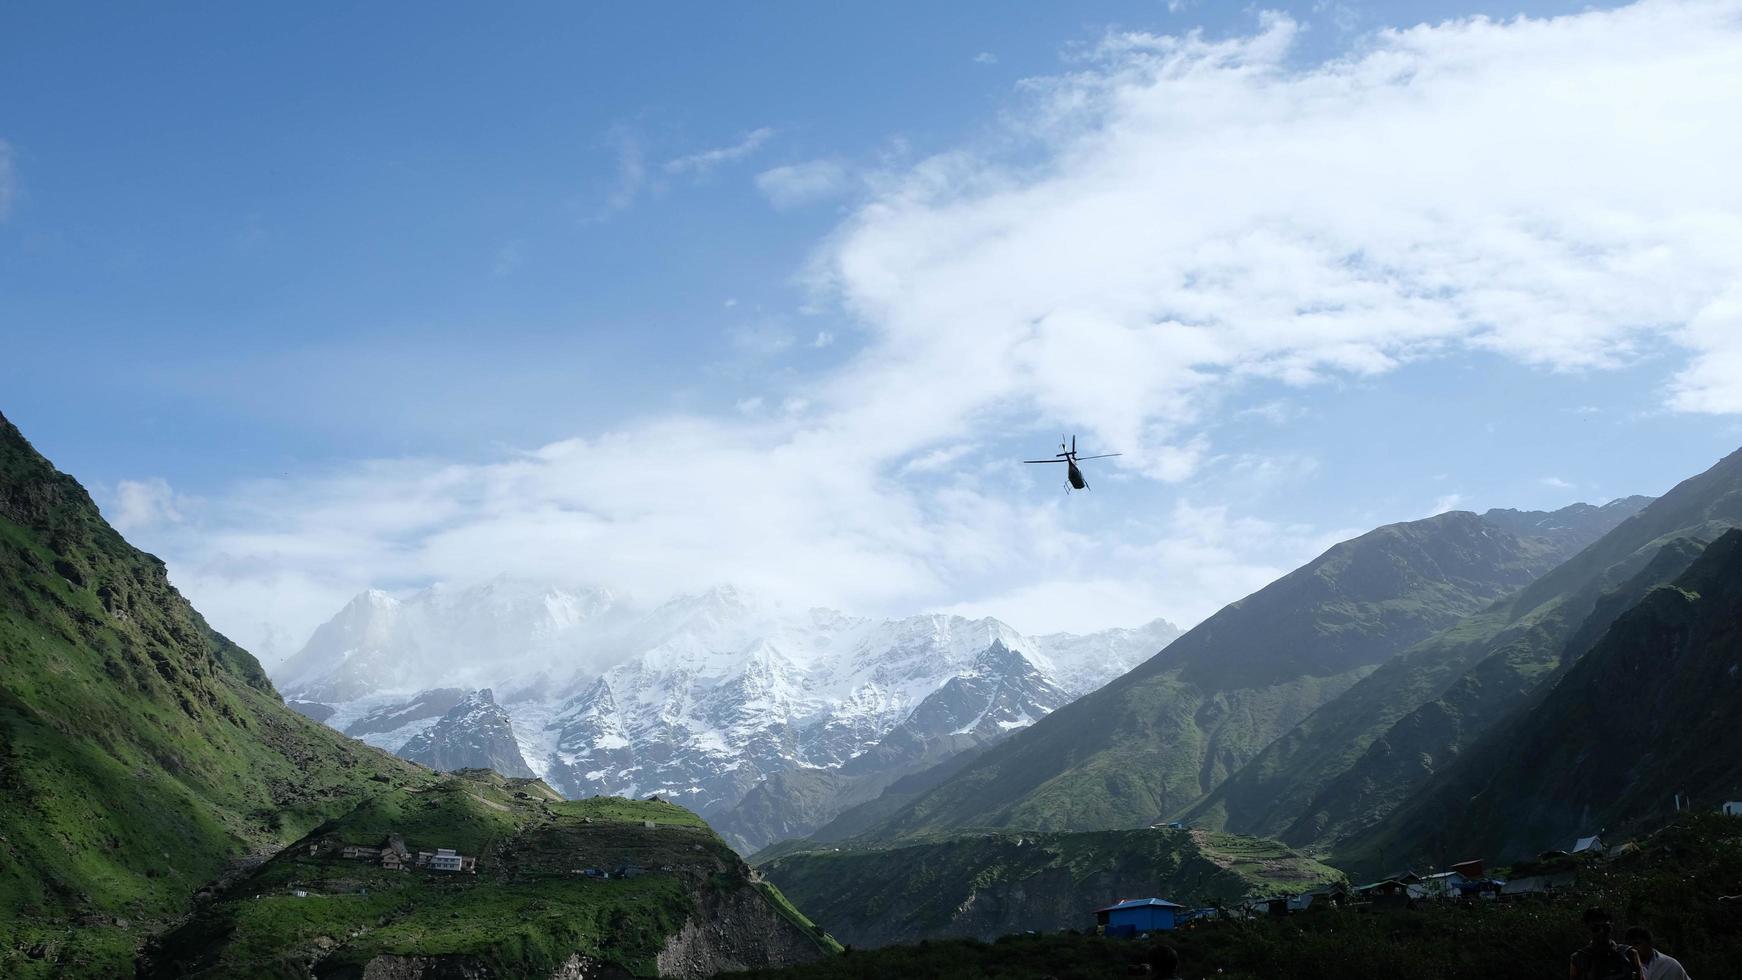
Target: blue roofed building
(1137,915)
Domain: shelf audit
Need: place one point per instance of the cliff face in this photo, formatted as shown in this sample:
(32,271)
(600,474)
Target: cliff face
(738,930)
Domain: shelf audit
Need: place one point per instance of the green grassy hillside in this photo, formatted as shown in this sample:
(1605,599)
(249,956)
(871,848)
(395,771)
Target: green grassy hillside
(1154,741)
(1651,710)
(1345,767)
(527,911)
(141,753)
(991,884)
(149,767)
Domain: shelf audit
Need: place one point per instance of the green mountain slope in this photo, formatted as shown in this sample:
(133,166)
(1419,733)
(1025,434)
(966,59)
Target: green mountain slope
(146,761)
(1650,711)
(1346,766)
(140,752)
(989,885)
(1156,740)
(687,907)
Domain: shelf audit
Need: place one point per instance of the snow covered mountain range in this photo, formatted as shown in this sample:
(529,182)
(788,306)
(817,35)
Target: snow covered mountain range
(701,699)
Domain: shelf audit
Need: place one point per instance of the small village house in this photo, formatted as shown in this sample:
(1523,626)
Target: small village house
(447,859)
(1592,843)
(1138,915)
(1324,897)
(1442,884)
(1732,808)
(1470,869)
(1533,885)
(1385,894)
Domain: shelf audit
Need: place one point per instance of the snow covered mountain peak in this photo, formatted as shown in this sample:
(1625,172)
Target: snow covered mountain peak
(700,697)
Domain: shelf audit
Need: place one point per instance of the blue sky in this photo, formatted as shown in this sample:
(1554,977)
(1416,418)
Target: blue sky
(319,298)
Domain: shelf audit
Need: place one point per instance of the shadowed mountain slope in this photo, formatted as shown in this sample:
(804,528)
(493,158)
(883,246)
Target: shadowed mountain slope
(1350,763)
(1650,711)
(1157,739)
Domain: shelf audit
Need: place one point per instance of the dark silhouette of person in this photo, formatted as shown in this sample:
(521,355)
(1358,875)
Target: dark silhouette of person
(1604,958)
(1164,962)
(1658,965)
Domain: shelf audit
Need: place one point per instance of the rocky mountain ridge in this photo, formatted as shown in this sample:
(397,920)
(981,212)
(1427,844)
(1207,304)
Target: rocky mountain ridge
(1158,739)
(701,699)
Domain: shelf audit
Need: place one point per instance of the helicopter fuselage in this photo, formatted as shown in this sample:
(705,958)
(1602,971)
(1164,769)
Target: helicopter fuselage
(1076,475)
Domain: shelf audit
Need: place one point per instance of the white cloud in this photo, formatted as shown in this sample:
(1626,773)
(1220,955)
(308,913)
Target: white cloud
(1206,214)
(800,184)
(1713,382)
(1194,560)
(1555,483)
(699,164)
(762,339)
(937,459)
(1182,218)
(144,504)
(985,58)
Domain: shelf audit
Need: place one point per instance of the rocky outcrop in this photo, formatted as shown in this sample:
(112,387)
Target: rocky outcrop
(474,734)
(740,930)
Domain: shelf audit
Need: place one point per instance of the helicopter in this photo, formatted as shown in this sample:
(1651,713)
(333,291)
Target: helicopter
(1069,458)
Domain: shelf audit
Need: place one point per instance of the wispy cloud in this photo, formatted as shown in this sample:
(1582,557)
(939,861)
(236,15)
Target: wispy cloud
(631,172)
(699,164)
(508,258)
(1449,502)
(1209,214)
(140,505)
(985,58)
(8,179)
(800,184)
(1186,220)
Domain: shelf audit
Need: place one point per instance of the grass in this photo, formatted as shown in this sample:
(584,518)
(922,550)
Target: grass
(144,758)
(524,913)
(141,753)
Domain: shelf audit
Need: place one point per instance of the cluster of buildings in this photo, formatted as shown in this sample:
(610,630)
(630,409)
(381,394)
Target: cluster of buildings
(395,856)
(1555,872)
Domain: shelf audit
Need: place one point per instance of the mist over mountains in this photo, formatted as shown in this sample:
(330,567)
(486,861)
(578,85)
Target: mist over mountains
(700,698)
